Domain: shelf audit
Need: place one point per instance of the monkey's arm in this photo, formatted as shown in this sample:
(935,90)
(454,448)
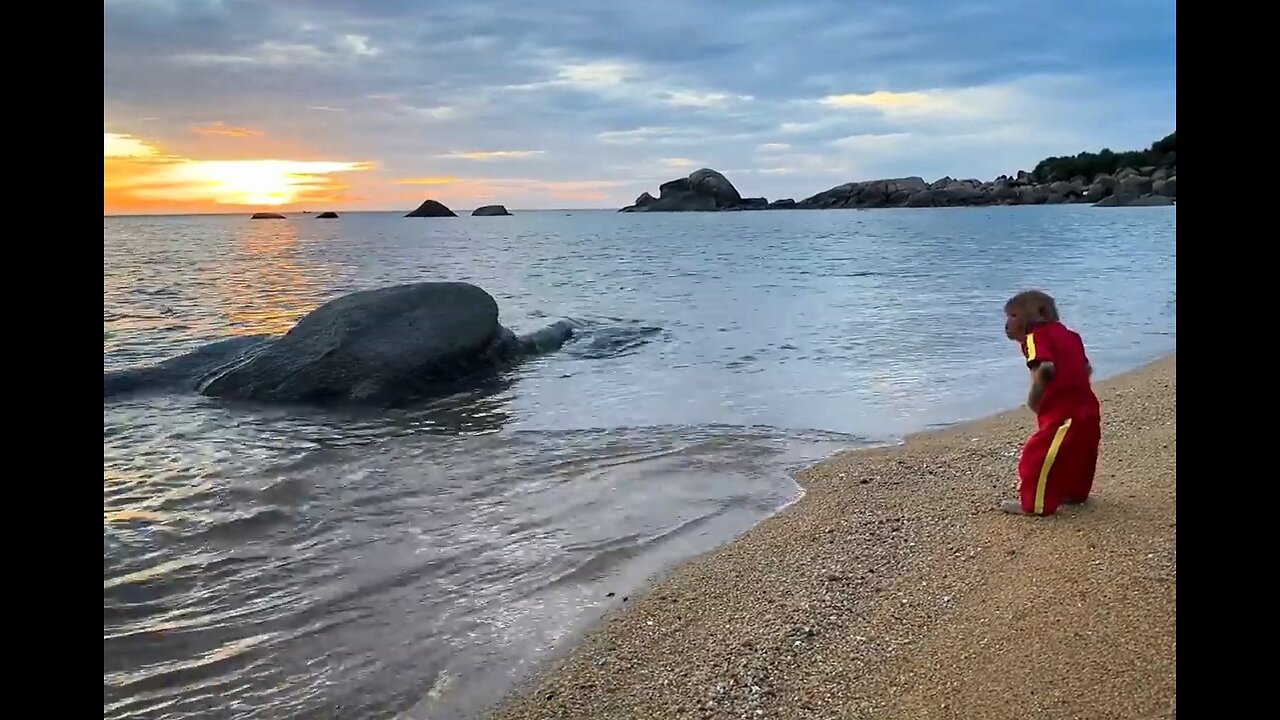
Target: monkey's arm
(1041,374)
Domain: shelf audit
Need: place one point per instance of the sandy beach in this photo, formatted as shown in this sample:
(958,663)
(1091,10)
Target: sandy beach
(895,589)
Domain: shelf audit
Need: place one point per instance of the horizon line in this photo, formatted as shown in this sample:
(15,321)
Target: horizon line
(317,212)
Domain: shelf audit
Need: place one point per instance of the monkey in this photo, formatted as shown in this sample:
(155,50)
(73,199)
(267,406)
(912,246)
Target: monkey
(1023,313)
(1059,460)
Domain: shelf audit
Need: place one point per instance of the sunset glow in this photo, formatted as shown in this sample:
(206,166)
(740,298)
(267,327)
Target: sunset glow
(137,175)
(216,106)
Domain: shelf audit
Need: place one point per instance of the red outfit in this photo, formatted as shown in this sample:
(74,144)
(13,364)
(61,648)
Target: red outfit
(1058,460)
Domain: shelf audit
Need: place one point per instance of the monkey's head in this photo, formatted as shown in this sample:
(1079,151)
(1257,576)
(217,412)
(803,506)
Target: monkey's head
(1024,311)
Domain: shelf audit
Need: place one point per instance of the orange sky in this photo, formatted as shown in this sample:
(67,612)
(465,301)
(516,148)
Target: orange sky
(141,176)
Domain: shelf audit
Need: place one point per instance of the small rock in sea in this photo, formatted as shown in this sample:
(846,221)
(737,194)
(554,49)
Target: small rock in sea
(608,594)
(431,208)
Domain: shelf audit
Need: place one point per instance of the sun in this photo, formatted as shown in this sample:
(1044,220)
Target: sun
(252,182)
(137,173)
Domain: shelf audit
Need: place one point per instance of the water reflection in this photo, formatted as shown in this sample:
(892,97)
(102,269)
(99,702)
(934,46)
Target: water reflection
(270,285)
(482,408)
(475,407)
(284,562)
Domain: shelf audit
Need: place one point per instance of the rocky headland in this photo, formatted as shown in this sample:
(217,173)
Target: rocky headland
(1104,179)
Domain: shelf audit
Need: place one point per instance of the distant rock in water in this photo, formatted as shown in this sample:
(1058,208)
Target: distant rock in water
(267,216)
(431,208)
(704,190)
(327,215)
(490,210)
(386,347)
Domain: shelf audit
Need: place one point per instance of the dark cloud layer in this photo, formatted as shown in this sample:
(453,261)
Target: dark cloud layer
(632,93)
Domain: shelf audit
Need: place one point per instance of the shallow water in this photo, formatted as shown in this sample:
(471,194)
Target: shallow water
(276,563)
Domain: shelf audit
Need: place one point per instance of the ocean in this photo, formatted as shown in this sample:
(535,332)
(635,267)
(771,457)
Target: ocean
(286,562)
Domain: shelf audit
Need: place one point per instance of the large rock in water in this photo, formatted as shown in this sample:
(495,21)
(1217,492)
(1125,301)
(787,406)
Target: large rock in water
(704,190)
(373,344)
(487,210)
(327,215)
(383,347)
(431,208)
(266,216)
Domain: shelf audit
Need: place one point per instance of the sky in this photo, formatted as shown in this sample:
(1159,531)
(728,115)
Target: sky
(239,105)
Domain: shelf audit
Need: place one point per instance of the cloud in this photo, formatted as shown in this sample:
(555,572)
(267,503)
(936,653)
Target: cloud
(220,129)
(441,180)
(628,82)
(981,103)
(638,135)
(491,154)
(115,145)
(459,191)
(794,97)
(677,163)
(276,53)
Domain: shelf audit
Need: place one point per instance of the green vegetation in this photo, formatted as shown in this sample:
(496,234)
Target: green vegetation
(1162,153)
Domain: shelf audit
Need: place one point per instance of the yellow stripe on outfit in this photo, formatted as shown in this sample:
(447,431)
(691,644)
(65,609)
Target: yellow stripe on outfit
(1049,457)
(1031,347)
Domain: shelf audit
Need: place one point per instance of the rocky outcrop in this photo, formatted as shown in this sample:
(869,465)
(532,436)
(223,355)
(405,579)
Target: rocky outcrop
(703,190)
(489,210)
(431,208)
(327,215)
(708,190)
(1021,189)
(266,216)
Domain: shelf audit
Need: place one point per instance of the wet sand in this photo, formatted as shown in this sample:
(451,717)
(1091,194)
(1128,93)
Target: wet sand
(896,589)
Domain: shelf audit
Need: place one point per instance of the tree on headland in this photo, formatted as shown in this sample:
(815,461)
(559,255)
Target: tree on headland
(1162,153)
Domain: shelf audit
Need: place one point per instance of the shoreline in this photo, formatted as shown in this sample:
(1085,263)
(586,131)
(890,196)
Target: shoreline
(891,586)
(399,212)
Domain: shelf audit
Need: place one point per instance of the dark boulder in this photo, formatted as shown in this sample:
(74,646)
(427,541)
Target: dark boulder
(431,208)
(705,190)
(369,344)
